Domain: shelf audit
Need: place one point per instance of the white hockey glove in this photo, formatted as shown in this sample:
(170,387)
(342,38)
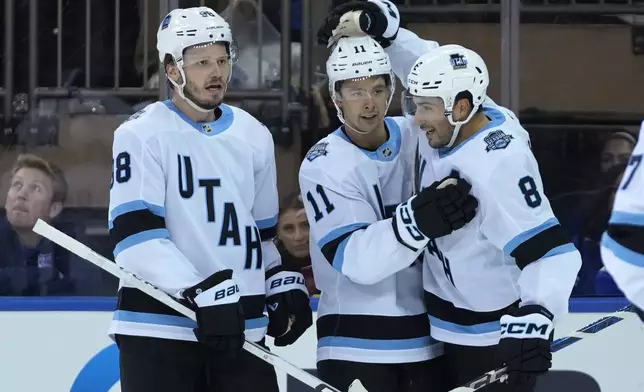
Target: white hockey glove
(526,336)
(378,18)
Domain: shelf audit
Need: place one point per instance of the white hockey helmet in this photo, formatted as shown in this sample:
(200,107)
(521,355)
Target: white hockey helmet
(185,28)
(358,57)
(444,73)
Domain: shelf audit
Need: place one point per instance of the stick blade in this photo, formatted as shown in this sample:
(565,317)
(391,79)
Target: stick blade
(356,386)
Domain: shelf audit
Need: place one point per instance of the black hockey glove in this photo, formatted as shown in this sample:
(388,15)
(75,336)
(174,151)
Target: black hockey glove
(436,211)
(640,313)
(526,336)
(379,19)
(287,301)
(220,318)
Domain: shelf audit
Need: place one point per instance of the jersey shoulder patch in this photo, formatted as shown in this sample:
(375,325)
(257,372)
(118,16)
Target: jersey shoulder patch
(497,140)
(318,150)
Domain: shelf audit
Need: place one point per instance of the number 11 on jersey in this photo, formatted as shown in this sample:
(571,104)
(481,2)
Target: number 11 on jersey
(328,206)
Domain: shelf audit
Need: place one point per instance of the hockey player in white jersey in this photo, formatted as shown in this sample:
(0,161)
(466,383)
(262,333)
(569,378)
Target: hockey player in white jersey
(623,243)
(371,319)
(193,206)
(494,288)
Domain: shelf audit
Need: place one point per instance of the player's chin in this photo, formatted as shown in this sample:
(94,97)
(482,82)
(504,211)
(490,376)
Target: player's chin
(369,124)
(211,103)
(434,141)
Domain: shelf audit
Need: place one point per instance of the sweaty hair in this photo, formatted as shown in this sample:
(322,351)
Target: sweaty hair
(55,174)
(468,95)
(168,60)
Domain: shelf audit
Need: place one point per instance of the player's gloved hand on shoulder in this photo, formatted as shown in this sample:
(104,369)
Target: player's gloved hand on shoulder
(379,18)
(436,211)
(526,336)
(220,318)
(287,302)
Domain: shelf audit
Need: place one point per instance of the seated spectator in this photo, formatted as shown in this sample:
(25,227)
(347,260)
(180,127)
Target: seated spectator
(293,239)
(29,264)
(617,150)
(593,221)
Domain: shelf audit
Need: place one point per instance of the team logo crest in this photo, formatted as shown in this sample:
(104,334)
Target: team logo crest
(166,22)
(458,61)
(317,151)
(497,140)
(206,128)
(386,152)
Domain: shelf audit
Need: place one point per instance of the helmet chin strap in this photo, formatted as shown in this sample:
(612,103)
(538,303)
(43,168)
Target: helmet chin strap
(457,125)
(180,87)
(341,115)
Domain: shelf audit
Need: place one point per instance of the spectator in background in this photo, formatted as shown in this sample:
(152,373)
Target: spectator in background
(593,221)
(29,264)
(293,239)
(617,150)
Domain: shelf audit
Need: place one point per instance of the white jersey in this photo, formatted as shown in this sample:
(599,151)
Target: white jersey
(371,307)
(514,251)
(187,200)
(623,243)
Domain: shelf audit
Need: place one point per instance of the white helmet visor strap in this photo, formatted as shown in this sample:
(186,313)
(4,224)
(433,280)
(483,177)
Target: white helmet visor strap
(458,124)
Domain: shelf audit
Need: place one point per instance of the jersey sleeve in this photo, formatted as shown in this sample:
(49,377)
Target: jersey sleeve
(137,218)
(347,230)
(519,220)
(622,246)
(405,50)
(266,203)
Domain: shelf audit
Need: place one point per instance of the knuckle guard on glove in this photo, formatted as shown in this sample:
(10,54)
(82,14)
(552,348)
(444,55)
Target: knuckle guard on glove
(220,318)
(287,303)
(524,347)
(435,212)
(333,19)
(379,19)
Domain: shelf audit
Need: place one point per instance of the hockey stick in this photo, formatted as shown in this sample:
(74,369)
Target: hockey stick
(88,254)
(592,329)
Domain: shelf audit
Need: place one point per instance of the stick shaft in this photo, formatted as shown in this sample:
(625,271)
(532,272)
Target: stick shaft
(88,254)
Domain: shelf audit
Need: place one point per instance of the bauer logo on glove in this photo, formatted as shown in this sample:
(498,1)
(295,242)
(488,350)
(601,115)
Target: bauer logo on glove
(287,303)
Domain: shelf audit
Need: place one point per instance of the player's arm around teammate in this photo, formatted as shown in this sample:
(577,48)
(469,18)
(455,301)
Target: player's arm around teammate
(521,241)
(367,230)
(446,98)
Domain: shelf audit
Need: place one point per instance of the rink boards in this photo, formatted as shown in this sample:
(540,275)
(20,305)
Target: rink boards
(60,345)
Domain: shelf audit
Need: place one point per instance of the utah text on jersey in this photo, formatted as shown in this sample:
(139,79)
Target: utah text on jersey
(189,199)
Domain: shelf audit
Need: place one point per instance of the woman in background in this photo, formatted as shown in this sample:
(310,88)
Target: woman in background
(293,239)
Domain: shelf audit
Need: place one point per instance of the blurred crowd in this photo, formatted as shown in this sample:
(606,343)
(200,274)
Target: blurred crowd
(581,175)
